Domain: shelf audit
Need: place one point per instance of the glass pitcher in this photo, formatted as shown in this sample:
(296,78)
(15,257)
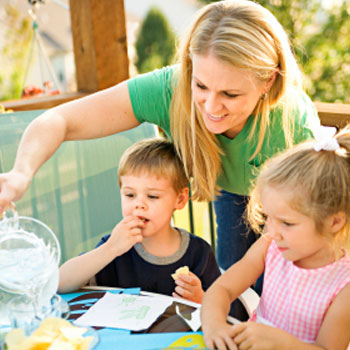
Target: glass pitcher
(29,260)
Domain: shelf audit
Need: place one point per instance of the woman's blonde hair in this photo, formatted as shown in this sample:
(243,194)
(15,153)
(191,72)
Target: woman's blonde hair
(248,36)
(318,184)
(156,156)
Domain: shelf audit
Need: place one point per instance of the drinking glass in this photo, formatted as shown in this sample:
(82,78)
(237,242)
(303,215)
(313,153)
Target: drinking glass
(25,315)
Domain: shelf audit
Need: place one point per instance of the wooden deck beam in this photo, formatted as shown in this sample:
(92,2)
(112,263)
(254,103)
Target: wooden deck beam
(100,44)
(335,114)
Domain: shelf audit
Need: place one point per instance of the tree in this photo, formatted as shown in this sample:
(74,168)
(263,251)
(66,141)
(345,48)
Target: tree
(327,67)
(17,38)
(155,43)
(320,38)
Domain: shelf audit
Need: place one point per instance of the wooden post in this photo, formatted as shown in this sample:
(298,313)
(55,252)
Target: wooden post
(100,45)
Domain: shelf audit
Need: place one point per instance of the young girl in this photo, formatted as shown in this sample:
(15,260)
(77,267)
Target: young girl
(301,202)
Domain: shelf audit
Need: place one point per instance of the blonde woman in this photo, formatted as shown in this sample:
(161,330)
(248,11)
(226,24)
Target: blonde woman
(234,99)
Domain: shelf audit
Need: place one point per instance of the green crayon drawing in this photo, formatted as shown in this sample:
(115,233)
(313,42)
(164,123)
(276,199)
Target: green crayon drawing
(139,313)
(128,300)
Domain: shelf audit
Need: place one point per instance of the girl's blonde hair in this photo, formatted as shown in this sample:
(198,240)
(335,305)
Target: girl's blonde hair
(157,157)
(248,36)
(318,184)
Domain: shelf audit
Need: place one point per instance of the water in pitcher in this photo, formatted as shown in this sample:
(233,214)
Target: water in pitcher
(29,257)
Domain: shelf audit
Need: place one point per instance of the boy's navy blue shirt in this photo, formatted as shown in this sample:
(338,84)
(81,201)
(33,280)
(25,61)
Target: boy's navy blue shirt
(138,268)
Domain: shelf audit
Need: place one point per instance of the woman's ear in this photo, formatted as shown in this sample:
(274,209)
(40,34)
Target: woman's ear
(270,81)
(335,222)
(182,198)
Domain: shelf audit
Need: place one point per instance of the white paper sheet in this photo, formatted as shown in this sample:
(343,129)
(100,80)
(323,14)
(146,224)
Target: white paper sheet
(133,312)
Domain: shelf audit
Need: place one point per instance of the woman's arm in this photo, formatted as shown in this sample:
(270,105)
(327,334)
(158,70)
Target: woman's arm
(218,298)
(100,114)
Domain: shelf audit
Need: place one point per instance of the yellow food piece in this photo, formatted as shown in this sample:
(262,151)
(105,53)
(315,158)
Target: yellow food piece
(181,270)
(52,334)
(71,333)
(15,336)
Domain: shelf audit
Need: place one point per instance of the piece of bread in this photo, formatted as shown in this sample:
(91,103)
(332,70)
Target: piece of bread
(184,270)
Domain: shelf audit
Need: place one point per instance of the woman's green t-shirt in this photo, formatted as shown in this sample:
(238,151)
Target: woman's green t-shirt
(151,94)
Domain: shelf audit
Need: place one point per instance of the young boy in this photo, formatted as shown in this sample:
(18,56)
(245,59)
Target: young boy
(144,250)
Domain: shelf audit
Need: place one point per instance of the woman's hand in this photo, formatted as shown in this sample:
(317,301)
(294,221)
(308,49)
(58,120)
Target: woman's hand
(126,234)
(189,287)
(12,187)
(219,336)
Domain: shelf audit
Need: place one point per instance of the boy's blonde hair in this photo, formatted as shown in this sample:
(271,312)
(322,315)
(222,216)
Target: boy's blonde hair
(245,35)
(319,184)
(157,157)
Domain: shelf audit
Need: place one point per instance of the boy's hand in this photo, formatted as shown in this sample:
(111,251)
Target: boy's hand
(126,234)
(189,287)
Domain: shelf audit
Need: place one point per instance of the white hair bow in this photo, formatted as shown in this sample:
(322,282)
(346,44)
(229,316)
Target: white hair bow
(324,139)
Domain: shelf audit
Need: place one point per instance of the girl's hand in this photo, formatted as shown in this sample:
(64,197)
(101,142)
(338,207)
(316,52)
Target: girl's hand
(256,336)
(189,287)
(126,234)
(219,336)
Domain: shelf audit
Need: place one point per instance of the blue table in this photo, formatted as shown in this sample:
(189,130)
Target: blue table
(168,331)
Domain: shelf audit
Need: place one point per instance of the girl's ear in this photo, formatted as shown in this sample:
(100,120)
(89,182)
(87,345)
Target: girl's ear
(182,198)
(336,222)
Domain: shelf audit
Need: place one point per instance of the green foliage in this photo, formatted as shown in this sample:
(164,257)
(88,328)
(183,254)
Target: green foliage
(155,44)
(328,66)
(320,38)
(13,54)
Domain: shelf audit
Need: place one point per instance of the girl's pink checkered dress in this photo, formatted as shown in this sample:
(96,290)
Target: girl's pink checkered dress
(296,299)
